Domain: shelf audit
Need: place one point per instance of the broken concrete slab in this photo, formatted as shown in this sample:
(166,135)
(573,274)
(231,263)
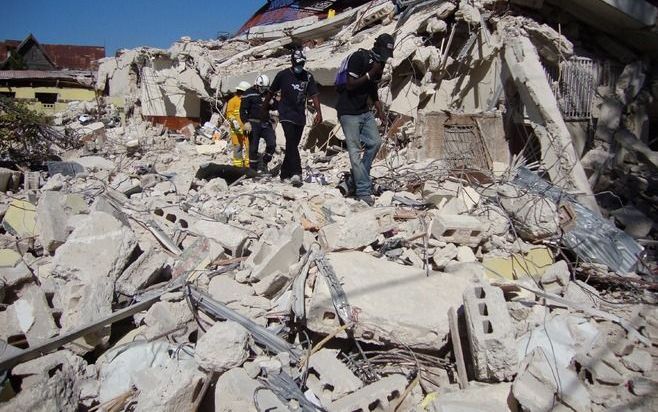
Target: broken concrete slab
(226,290)
(639,360)
(84,303)
(171,388)
(357,230)
(13,270)
(230,237)
(276,250)
(232,338)
(34,315)
(51,223)
(271,284)
(383,317)
(20,219)
(99,232)
(166,317)
(148,267)
(443,256)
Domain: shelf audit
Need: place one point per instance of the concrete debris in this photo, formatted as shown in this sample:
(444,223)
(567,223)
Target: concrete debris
(329,378)
(386,317)
(490,333)
(144,270)
(381,396)
(234,341)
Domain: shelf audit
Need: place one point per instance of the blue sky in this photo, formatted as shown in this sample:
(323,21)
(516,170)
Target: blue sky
(121,23)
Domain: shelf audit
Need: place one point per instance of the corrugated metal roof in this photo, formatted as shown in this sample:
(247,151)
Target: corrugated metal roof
(64,56)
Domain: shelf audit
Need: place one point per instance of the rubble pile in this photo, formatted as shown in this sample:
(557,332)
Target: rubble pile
(508,263)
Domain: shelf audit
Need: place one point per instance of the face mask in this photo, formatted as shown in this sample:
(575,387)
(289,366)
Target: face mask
(298,69)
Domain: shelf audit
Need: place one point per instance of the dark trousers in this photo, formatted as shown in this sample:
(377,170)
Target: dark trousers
(292,163)
(258,131)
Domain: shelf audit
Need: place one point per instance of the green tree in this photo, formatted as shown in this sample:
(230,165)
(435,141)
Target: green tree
(27,136)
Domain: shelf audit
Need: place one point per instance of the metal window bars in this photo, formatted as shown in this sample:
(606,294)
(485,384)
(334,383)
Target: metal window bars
(574,83)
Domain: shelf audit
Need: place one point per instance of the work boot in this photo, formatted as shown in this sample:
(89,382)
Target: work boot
(296,181)
(368,199)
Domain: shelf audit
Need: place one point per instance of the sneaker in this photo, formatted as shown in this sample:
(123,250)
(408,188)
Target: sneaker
(369,200)
(296,181)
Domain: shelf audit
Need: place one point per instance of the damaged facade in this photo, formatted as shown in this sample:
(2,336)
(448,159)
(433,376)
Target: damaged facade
(509,262)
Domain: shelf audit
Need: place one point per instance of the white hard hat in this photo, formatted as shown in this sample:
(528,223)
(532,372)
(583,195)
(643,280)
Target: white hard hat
(262,81)
(243,86)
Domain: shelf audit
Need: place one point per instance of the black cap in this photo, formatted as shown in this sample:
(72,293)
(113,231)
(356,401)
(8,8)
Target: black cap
(384,45)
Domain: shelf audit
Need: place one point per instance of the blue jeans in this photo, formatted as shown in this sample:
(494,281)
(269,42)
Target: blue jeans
(361,131)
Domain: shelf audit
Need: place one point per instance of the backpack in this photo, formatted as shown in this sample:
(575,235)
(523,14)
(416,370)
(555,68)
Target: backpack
(341,75)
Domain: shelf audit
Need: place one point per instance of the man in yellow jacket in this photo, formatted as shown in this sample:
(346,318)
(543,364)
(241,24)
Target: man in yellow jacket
(239,138)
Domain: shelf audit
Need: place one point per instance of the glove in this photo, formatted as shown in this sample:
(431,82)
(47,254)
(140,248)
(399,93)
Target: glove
(235,124)
(247,127)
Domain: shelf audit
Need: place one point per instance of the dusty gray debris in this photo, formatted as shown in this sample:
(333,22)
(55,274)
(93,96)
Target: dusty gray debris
(232,338)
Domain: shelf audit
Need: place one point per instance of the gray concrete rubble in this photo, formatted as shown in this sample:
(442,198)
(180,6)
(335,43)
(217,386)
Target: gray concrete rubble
(508,262)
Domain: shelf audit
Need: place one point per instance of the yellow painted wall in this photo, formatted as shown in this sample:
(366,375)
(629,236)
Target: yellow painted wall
(64,96)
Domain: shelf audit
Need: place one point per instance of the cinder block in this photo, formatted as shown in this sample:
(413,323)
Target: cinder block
(490,333)
(460,229)
(379,396)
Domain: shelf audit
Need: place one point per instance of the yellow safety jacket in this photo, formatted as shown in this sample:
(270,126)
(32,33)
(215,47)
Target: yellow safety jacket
(233,114)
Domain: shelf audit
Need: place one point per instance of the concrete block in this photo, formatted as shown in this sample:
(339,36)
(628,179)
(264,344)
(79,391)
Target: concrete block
(491,333)
(358,230)
(380,396)
(462,230)
(329,378)
(391,296)
(232,338)
(490,398)
(236,391)
(230,237)
(276,251)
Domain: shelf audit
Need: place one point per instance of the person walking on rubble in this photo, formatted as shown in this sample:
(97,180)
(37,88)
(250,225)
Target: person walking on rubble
(239,137)
(362,73)
(257,122)
(296,86)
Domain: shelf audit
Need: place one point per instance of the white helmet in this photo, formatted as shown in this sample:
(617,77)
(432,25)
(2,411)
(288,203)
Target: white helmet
(243,86)
(262,81)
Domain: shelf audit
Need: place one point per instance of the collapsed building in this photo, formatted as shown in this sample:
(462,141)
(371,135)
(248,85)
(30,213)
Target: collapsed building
(509,262)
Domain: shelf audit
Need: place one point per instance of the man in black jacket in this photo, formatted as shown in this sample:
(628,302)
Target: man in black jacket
(257,122)
(296,86)
(364,70)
